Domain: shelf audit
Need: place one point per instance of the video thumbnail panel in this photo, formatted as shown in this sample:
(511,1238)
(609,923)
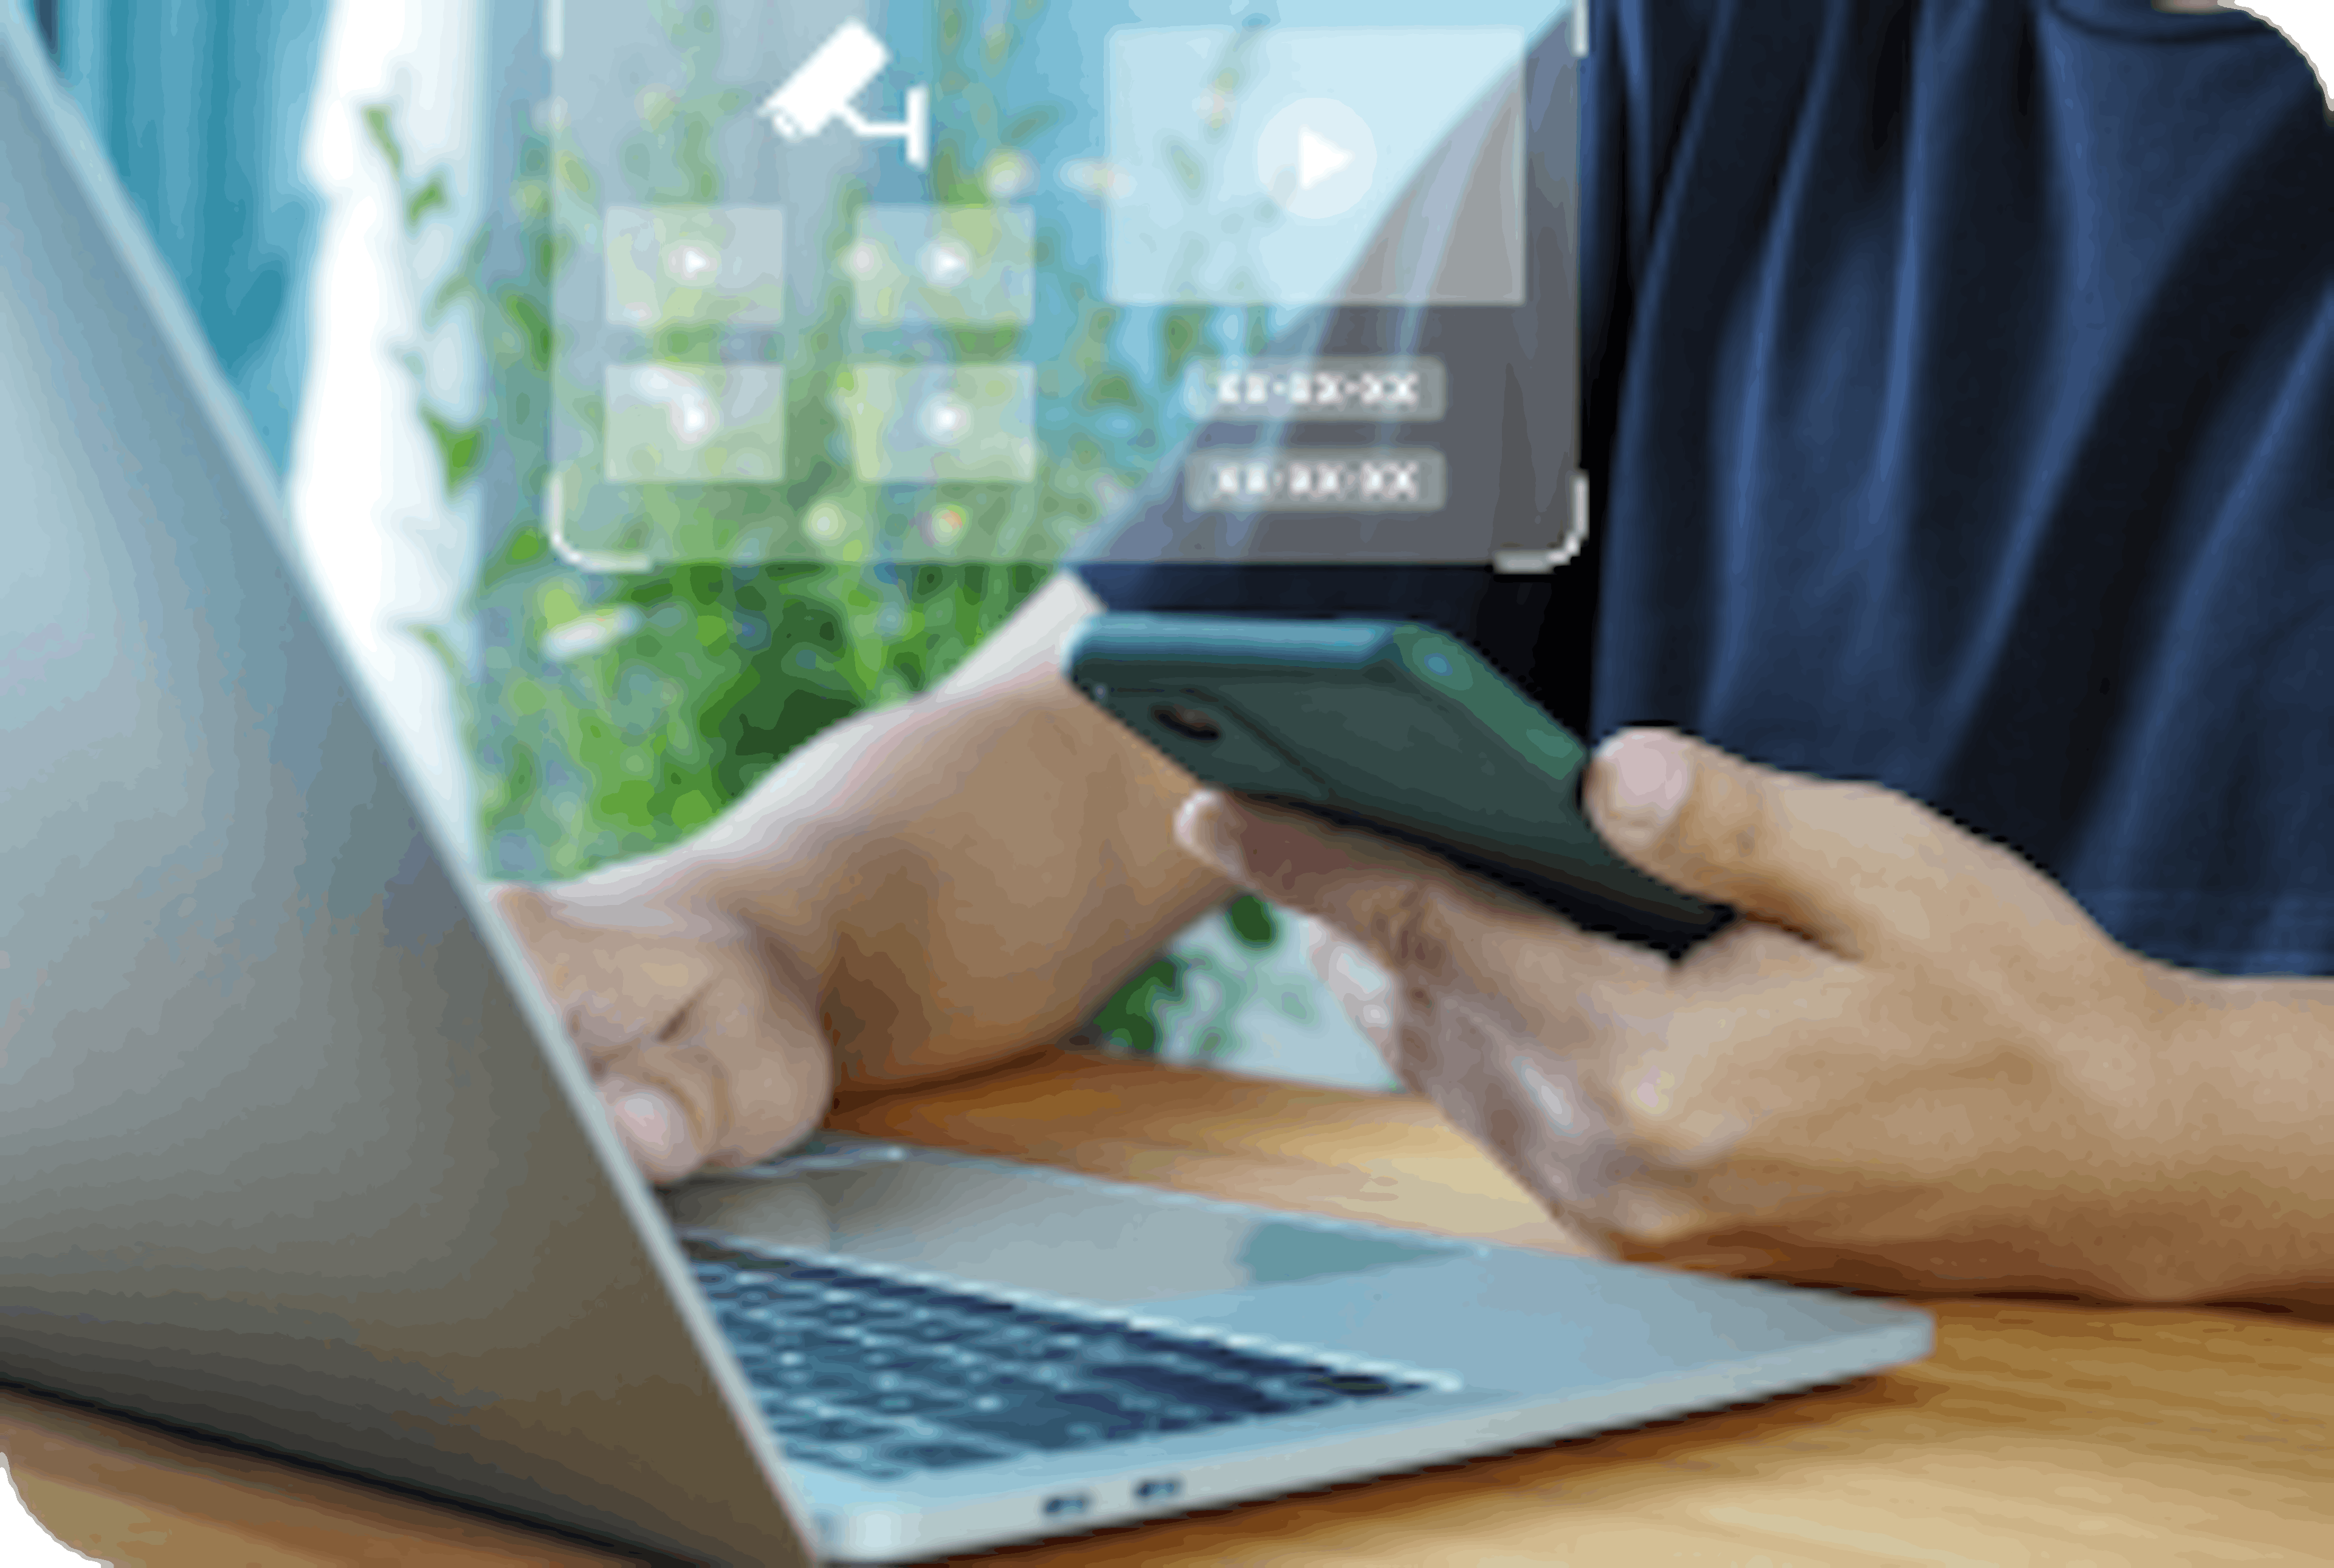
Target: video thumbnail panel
(929,283)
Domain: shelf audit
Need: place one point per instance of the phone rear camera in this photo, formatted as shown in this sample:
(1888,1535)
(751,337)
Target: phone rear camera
(1188,722)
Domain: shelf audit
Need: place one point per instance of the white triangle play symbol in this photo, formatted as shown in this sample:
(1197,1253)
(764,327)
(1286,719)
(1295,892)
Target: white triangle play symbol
(1318,158)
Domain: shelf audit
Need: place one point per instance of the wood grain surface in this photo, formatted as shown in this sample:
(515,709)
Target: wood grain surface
(2041,1433)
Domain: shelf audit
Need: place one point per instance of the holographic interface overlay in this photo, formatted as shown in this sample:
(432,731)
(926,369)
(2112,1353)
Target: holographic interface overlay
(1043,280)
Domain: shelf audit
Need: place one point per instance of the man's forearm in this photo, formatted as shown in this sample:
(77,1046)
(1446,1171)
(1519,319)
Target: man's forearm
(970,873)
(2243,1114)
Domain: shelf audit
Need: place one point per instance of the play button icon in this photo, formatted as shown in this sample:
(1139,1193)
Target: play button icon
(1333,133)
(1316,158)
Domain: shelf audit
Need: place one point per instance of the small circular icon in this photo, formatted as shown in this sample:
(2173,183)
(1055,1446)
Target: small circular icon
(692,264)
(1316,158)
(862,261)
(945,262)
(691,416)
(1007,174)
(945,419)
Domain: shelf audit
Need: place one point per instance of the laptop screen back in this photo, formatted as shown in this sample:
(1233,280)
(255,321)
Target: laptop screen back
(280,1158)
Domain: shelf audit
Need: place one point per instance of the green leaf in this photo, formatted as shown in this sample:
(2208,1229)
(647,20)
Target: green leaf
(1130,1020)
(1250,920)
(526,314)
(1114,388)
(1179,336)
(1022,126)
(460,447)
(462,282)
(1190,172)
(377,128)
(426,200)
(435,641)
(576,174)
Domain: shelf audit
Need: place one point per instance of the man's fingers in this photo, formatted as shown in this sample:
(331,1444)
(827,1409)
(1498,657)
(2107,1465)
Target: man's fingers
(1723,829)
(1363,992)
(757,1036)
(1856,868)
(1305,863)
(1746,1026)
(702,1037)
(1406,906)
(651,1126)
(1359,985)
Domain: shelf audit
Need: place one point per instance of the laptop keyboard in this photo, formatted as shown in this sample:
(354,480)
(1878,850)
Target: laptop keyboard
(883,1377)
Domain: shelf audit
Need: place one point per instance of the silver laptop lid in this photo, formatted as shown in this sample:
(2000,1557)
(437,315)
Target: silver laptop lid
(280,1156)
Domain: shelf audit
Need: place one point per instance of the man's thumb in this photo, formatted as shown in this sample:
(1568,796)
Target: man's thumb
(1792,851)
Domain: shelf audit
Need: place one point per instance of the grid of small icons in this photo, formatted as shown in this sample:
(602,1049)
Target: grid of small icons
(798,364)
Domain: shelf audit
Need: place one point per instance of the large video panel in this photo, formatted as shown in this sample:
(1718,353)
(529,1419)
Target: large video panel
(1043,279)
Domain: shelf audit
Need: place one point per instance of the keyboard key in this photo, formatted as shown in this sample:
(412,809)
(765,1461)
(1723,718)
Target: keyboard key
(885,1309)
(1014,1344)
(1355,1385)
(842,1429)
(975,1310)
(764,1329)
(840,1384)
(1222,1360)
(846,1459)
(842,1346)
(936,1456)
(1073,1418)
(996,1389)
(791,1427)
(1208,1393)
(914,1402)
(1188,1420)
(919,1364)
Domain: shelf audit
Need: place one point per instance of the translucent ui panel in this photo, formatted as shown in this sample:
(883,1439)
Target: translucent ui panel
(1261,165)
(696,424)
(1412,389)
(1389,479)
(955,265)
(926,280)
(917,426)
(696,264)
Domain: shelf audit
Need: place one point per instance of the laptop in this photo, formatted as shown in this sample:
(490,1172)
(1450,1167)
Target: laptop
(293,1154)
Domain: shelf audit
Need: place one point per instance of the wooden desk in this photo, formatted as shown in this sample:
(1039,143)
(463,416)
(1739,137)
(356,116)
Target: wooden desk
(2041,1433)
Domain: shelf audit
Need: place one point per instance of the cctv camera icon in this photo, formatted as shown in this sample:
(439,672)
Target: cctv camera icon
(820,92)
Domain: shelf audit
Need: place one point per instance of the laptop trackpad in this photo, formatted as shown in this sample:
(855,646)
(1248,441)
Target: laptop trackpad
(1028,1230)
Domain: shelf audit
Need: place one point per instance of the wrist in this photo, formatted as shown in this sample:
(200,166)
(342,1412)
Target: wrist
(2230,1180)
(790,856)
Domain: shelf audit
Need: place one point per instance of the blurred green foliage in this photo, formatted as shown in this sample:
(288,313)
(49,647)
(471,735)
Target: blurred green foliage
(613,715)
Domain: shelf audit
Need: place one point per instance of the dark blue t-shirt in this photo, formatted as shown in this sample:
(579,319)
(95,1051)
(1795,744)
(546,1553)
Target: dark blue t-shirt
(1959,399)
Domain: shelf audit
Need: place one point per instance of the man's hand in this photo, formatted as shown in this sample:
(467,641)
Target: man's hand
(702,1031)
(918,893)
(1914,1062)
